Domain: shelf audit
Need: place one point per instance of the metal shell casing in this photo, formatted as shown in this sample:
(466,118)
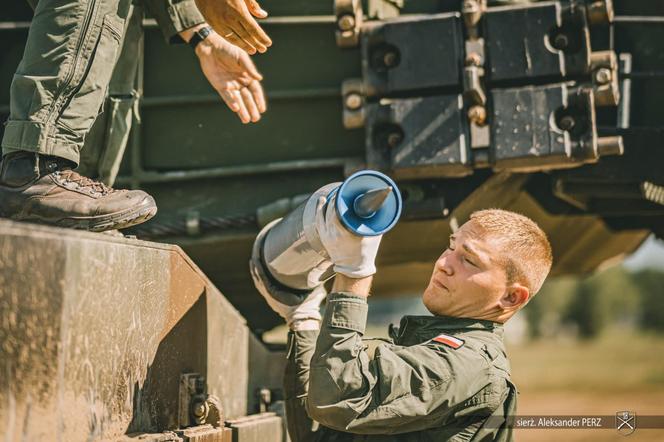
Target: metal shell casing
(291,249)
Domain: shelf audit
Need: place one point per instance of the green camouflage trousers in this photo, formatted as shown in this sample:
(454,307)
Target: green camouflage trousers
(61,82)
(79,54)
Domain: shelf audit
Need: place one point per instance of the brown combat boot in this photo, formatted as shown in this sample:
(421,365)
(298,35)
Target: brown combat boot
(45,190)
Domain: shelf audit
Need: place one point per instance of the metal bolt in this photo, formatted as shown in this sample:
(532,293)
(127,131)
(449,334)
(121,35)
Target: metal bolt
(477,114)
(346,22)
(561,41)
(474,59)
(390,59)
(567,123)
(200,409)
(265,395)
(393,139)
(353,101)
(603,75)
(265,399)
(610,146)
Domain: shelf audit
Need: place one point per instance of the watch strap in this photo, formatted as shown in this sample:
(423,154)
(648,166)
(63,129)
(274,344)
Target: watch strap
(199,35)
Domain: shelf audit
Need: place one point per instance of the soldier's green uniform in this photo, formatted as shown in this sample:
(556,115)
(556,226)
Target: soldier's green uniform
(56,95)
(105,144)
(414,389)
(70,55)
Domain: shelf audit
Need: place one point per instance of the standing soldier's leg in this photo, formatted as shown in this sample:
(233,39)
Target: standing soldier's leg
(56,94)
(108,138)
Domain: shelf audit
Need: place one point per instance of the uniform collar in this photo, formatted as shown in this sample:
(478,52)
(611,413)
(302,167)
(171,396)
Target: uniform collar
(417,329)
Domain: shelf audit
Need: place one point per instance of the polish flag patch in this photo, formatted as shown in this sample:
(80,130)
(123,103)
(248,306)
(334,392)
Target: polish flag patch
(448,340)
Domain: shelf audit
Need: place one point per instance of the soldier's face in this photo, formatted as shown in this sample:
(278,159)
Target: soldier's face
(468,279)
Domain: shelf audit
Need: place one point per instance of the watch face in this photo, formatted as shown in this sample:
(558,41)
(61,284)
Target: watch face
(204,32)
(199,36)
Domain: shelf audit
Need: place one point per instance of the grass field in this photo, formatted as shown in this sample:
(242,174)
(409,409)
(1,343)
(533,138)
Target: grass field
(619,371)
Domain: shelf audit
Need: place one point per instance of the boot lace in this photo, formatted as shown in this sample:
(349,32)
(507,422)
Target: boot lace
(84,182)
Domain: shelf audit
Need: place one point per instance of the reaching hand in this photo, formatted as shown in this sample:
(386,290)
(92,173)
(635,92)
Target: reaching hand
(233,20)
(233,75)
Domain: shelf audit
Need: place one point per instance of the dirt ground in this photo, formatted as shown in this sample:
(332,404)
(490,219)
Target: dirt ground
(585,403)
(618,372)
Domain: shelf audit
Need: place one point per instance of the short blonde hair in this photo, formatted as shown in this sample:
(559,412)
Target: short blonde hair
(528,256)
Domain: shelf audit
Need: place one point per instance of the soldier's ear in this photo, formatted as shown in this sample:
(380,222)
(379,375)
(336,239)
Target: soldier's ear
(515,297)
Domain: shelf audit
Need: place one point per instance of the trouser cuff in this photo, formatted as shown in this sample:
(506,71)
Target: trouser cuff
(36,137)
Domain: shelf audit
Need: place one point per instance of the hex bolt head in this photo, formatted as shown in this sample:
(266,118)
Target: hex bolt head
(390,59)
(561,41)
(346,22)
(353,101)
(477,114)
(394,139)
(200,410)
(567,123)
(603,75)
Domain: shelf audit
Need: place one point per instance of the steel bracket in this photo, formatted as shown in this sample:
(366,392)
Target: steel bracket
(195,406)
(349,22)
(553,127)
(604,68)
(599,11)
(418,137)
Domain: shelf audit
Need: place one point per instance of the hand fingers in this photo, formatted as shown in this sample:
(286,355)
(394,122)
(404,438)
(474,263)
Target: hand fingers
(230,99)
(243,103)
(252,27)
(240,41)
(255,9)
(248,65)
(248,100)
(257,92)
(320,204)
(242,113)
(249,36)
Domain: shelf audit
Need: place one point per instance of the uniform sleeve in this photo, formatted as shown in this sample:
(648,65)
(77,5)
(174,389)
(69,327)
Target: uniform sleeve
(174,16)
(399,390)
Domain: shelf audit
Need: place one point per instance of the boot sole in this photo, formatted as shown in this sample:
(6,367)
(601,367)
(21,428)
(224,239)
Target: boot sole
(115,221)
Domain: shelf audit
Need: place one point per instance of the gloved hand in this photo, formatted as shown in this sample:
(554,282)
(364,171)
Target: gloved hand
(301,312)
(352,255)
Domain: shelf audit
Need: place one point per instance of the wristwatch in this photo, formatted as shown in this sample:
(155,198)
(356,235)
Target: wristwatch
(199,35)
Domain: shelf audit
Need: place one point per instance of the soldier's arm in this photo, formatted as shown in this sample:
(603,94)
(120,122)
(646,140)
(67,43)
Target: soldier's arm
(174,16)
(400,389)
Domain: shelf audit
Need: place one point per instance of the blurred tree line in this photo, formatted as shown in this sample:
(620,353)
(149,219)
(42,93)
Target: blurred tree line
(588,305)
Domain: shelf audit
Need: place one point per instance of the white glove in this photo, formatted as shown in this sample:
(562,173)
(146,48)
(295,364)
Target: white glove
(353,255)
(301,312)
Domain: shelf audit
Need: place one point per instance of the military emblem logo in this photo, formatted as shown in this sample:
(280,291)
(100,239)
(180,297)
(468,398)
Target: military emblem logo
(626,422)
